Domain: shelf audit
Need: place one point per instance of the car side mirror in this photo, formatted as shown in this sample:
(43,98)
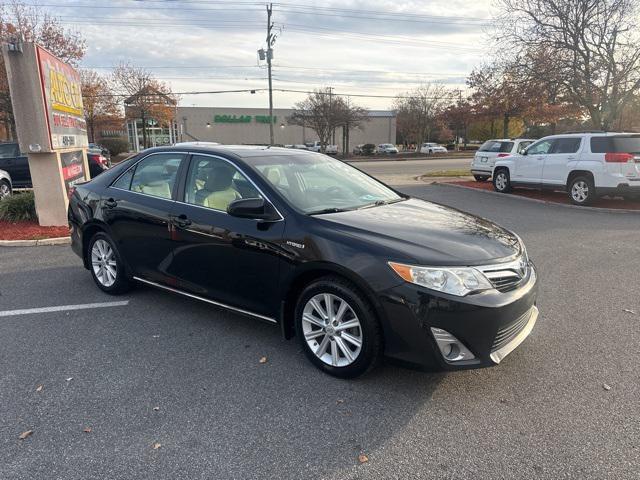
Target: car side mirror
(255,208)
(524,152)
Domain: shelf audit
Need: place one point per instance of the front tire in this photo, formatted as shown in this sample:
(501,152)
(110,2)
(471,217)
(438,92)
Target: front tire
(5,189)
(106,265)
(502,181)
(337,328)
(581,190)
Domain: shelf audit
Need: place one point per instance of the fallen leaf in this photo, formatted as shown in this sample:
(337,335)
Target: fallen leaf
(155,409)
(24,435)
(339,401)
(362,458)
(87,430)
(39,388)
(263,360)
(632,312)
(606,387)
(156,446)
(69,379)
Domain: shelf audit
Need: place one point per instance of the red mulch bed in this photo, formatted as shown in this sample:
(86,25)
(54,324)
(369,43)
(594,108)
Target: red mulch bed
(554,197)
(29,231)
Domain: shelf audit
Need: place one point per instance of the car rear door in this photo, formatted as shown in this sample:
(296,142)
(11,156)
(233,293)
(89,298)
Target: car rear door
(528,167)
(230,260)
(138,208)
(557,162)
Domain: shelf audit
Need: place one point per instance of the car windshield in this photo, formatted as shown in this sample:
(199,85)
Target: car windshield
(320,184)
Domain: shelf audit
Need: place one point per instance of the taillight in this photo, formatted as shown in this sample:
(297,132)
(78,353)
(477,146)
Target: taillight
(618,157)
(500,155)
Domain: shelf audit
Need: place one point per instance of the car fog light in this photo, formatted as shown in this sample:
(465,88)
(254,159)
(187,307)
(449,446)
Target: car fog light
(450,347)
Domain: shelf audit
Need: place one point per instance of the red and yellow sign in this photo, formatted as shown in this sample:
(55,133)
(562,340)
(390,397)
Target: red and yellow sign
(61,88)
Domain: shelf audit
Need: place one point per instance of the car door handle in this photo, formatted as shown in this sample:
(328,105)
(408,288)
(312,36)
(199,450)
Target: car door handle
(181,221)
(571,158)
(110,203)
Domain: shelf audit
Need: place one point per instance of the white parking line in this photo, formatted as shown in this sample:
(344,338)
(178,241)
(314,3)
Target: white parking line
(63,308)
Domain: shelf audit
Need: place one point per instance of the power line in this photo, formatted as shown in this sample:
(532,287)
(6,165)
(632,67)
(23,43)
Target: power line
(452,95)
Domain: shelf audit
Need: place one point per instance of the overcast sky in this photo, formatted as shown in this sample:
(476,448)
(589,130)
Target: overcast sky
(372,47)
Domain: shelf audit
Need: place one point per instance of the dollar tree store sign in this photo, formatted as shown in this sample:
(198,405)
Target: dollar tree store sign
(243,118)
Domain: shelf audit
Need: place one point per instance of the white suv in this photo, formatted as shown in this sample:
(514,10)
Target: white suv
(431,148)
(585,165)
(486,156)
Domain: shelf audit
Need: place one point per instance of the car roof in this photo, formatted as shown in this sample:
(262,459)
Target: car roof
(240,151)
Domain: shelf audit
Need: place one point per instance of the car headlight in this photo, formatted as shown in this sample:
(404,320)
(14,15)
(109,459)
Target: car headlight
(458,281)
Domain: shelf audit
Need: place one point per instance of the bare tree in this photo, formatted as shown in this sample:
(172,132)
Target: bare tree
(27,22)
(321,111)
(146,98)
(592,49)
(349,116)
(418,111)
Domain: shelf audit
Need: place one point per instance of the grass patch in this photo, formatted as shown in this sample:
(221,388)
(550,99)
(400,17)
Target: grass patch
(448,173)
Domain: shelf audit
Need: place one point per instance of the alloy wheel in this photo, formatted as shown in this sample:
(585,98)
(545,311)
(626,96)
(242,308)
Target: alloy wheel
(332,330)
(103,262)
(5,191)
(580,191)
(501,181)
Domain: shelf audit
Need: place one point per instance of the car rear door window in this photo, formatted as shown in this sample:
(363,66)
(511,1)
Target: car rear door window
(567,145)
(215,183)
(155,175)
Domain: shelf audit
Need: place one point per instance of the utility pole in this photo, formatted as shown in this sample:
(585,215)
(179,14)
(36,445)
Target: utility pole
(271,39)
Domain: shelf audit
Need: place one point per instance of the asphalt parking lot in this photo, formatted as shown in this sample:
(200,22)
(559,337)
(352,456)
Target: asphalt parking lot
(164,369)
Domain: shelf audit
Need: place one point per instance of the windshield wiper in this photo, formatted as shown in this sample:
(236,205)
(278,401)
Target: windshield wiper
(379,203)
(329,210)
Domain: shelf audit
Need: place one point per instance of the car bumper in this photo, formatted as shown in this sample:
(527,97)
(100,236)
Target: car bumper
(489,325)
(481,171)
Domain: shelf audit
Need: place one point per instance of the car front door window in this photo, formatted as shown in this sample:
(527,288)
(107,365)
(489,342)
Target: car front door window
(215,183)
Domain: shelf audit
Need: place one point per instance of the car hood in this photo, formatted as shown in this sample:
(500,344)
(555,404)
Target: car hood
(429,234)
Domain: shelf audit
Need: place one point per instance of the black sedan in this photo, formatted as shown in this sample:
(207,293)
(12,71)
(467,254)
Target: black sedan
(355,270)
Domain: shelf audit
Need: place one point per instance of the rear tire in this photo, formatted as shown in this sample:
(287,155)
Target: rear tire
(345,340)
(106,265)
(480,178)
(581,190)
(502,181)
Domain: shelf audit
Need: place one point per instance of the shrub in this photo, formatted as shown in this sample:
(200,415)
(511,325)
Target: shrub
(116,146)
(17,207)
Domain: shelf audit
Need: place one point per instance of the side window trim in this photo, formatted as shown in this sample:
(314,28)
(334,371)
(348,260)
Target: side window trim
(135,166)
(181,199)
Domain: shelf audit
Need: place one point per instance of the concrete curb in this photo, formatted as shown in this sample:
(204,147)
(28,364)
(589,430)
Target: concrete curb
(36,243)
(544,202)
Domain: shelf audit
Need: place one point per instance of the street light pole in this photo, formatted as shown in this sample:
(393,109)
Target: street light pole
(270,41)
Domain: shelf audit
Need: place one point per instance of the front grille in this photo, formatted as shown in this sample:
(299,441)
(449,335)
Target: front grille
(506,284)
(507,276)
(508,332)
